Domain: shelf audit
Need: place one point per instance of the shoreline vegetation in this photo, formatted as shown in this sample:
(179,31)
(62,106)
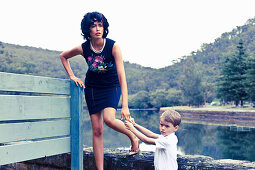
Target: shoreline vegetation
(212,108)
(217,115)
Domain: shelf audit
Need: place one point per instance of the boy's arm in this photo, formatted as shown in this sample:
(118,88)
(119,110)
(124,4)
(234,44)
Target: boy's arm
(145,131)
(141,136)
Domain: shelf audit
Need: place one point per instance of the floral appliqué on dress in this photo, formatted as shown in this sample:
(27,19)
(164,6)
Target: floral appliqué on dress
(96,64)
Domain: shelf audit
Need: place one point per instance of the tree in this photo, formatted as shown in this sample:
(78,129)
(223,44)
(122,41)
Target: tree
(224,83)
(174,97)
(14,64)
(140,100)
(250,77)
(209,91)
(232,82)
(190,83)
(159,98)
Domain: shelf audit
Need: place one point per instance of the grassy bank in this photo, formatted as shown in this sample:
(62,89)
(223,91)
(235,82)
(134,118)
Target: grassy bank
(225,115)
(246,108)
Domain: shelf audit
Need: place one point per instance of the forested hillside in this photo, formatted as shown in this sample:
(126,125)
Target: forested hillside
(43,62)
(35,61)
(212,56)
(196,72)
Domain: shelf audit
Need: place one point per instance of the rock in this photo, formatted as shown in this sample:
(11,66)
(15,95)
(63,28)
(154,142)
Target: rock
(115,159)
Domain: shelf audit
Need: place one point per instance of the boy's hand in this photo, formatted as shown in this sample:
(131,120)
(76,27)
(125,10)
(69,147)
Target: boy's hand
(132,120)
(128,125)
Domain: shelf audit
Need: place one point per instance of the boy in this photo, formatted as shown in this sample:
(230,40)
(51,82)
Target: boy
(166,144)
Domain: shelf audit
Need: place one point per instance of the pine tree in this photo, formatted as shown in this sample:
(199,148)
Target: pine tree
(250,77)
(224,83)
(232,82)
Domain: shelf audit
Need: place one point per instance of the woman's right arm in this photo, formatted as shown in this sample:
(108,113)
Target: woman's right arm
(64,56)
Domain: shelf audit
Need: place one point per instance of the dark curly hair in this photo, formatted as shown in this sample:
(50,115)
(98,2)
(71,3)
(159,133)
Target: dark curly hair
(89,19)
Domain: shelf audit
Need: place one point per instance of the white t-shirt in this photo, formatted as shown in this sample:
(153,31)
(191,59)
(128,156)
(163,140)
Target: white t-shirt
(166,153)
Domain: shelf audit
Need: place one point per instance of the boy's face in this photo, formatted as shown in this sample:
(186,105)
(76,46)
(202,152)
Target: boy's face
(167,128)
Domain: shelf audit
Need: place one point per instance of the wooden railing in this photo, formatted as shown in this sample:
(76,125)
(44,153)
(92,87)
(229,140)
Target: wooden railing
(40,116)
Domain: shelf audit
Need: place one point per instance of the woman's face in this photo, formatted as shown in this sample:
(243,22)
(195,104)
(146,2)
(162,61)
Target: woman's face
(96,30)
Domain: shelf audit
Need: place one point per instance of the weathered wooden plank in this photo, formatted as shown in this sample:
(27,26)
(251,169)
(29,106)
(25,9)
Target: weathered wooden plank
(28,83)
(27,151)
(22,107)
(76,127)
(33,107)
(11,132)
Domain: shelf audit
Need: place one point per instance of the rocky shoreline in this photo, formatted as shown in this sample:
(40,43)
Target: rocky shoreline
(120,160)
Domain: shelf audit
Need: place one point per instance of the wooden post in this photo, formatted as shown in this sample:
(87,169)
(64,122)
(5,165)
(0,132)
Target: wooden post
(76,126)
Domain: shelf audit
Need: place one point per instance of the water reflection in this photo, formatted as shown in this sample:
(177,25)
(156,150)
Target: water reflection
(219,142)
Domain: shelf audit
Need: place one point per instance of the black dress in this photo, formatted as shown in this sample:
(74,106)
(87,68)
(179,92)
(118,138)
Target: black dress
(102,87)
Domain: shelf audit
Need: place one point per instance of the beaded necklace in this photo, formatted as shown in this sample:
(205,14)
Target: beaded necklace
(97,51)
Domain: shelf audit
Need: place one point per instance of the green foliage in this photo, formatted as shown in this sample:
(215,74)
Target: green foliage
(250,78)
(175,97)
(232,84)
(15,64)
(144,78)
(157,99)
(140,100)
(37,61)
(162,98)
(209,91)
(191,83)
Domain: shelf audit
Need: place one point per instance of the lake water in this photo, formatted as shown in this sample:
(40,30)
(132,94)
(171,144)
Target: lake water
(219,142)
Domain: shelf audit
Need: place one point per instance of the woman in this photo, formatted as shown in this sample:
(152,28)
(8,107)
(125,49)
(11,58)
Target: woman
(105,81)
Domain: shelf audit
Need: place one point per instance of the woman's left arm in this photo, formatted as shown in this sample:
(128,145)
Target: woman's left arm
(122,79)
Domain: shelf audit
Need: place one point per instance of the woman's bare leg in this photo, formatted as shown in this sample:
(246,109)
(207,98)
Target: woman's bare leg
(98,148)
(118,125)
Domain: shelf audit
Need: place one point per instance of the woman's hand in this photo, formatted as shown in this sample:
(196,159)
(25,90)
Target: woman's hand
(125,113)
(77,81)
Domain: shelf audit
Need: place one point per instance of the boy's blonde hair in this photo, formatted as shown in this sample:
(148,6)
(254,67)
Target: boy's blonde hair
(171,116)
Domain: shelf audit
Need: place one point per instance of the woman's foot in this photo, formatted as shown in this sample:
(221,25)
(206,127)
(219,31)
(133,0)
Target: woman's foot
(135,147)
(133,152)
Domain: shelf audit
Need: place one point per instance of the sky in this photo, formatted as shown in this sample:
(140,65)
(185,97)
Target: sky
(151,33)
